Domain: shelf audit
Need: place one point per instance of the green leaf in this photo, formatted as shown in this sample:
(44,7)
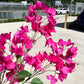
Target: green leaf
(19,60)
(22,74)
(21,80)
(36,81)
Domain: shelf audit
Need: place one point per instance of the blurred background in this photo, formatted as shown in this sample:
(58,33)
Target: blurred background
(19,8)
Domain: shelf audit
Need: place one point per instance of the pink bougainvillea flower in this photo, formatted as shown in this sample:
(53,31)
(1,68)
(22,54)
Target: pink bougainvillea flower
(2,47)
(59,63)
(2,66)
(62,76)
(18,37)
(27,42)
(8,59)
(69,61)
(25,29)
(35,61)
(51,11)
(29,18)
(31,9)
(65,43)
(19,34)
(7,63)
(51,20)
(38,5)
(52,79)
(21,37)
(70,64)
(17,50)
(44,7)
(10,65)
(59,50)
(46,30)
(38,61)
(65,69)
(71,52)
(51,58)
(4,37)
(29,59)
(13,48)
(1,59)
(38,66)
(50,42)
(7,36)
(12,72)
(1,53)
(51,28)
(61,42)
(35,26)
(38,18)
(68,43)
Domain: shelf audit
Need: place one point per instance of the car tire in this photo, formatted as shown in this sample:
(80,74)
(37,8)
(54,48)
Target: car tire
(67,12)
(60,12)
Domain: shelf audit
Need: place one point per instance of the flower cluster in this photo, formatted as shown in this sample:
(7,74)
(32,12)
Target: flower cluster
(12,65)
(36,20)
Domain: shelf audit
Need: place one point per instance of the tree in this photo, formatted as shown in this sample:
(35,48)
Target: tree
(31,1)
(66,1)
(69,1)
(11,0)
(78,1)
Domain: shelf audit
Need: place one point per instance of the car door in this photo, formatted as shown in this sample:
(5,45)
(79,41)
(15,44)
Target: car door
(64,10)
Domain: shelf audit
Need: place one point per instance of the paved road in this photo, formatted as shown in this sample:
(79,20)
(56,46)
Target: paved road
(77,37)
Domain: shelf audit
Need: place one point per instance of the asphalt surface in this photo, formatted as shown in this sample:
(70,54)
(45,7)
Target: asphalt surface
(77,37)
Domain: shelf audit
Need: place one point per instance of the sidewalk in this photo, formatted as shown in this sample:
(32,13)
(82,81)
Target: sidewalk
(76,77)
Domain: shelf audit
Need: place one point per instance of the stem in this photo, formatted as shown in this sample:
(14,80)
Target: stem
(3,75)
(34,36)
(5,81)
(36,73)
(26,80)
(31,77)
(18,68)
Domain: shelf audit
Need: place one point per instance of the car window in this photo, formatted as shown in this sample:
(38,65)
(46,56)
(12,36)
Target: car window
(60,9)
(64,9)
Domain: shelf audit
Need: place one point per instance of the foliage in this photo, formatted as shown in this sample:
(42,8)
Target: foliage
(36,81)
(12,20)
(74,14)
(69,1)
(11,0)
(66,1)
(22,74)
(63,1)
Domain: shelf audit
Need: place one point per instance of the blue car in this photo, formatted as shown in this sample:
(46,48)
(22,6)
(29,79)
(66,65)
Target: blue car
(80,20)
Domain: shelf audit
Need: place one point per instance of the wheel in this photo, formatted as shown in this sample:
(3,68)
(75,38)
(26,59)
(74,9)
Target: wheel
(60,12)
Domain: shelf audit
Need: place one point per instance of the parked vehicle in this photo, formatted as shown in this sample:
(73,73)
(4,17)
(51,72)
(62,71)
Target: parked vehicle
(78,24)
(80,20)
(62,11)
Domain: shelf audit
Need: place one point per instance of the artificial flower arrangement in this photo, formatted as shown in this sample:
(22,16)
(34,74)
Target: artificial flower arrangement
(13,71)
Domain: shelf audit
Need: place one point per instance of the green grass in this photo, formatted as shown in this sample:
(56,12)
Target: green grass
(12,20)
(74,14)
